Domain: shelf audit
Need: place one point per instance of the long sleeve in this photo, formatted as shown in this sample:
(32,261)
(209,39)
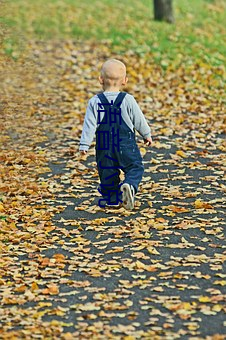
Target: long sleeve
(138,119)
(131,113)
(89,128)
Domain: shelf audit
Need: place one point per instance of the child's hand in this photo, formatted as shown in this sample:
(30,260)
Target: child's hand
(148,141)
(83,152)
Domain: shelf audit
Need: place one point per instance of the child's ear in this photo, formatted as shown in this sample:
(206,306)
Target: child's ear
(125,81)
(101,80)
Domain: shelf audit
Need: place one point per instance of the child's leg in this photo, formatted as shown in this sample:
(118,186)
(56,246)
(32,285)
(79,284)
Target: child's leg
(131,160)
(109,172)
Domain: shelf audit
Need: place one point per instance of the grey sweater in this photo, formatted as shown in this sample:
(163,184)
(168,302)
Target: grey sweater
(130,112)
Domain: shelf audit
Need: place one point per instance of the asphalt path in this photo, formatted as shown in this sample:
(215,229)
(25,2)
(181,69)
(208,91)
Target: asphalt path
(156,272)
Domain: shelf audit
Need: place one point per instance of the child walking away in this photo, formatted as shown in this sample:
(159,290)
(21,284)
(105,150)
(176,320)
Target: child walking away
(114,116)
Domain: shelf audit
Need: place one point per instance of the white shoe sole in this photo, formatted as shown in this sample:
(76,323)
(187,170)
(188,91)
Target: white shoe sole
(127,196)
(118,205)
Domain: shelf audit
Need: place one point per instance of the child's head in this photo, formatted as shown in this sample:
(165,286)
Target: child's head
(113,74)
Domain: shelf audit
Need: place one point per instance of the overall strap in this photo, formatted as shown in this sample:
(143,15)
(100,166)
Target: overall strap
(117,101)
(103,99)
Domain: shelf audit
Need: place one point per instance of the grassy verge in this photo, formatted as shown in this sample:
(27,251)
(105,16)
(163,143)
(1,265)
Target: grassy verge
(197,33)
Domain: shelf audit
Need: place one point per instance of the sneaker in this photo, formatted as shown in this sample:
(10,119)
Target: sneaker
(128,193)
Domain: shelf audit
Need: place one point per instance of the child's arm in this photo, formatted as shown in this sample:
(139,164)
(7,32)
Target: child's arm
(140,122)
(88,130)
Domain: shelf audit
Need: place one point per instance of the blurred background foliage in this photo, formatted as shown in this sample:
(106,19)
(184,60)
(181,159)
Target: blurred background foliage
(198,31)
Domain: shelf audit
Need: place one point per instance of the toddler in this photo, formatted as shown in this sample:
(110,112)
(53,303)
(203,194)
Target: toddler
(113,116)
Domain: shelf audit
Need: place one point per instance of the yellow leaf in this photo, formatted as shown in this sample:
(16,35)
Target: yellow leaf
(67,324)
(204,299)
(158,289)
(1,208)
(222,282)
(115,250)
(143,151)
(160,227)
(181,154)
(140,265)
(38,315)
(99,221)
(217,308)
(192,326)
(78,239)
(187,305)
(199,204)
(67,336)
(153,251)
(155,161)
(34,286)
(44,304)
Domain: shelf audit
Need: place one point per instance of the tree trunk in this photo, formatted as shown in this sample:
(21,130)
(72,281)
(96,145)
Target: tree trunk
(163,10)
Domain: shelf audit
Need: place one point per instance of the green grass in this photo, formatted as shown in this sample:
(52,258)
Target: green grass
(198,31)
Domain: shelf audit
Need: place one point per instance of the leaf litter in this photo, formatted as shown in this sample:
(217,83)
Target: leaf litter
(70,269)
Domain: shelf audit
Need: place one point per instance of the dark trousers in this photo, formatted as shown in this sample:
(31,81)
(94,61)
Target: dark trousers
(128,158)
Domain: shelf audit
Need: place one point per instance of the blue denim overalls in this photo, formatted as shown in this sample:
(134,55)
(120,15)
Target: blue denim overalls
(112,156)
